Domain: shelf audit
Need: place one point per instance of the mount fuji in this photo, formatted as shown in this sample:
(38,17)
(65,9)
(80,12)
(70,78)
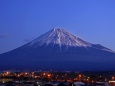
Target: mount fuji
(59,50)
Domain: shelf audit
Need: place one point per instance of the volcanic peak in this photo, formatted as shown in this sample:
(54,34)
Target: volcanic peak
(61,37)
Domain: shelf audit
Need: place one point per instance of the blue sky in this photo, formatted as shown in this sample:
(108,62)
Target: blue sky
(23,20)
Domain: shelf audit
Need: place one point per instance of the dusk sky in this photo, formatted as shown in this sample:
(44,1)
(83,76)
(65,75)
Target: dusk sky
(23,20)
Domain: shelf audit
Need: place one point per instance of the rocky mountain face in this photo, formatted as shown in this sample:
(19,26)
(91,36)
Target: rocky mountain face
(59,50)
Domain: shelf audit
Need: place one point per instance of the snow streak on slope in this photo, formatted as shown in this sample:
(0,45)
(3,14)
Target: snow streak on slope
(60,37)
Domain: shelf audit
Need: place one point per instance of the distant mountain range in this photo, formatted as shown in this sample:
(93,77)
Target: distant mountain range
(59,50)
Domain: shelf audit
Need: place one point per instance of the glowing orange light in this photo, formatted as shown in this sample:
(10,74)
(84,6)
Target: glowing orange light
(49,75)
(26,73)
(79,75)
(44,74)
(92,81)
(87,79)
(113,78)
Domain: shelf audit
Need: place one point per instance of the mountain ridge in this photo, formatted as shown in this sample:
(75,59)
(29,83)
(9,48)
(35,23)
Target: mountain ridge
(46,52)
(61,37)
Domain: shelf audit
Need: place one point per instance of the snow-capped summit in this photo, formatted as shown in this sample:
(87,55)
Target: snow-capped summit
(61,37)
(53,50)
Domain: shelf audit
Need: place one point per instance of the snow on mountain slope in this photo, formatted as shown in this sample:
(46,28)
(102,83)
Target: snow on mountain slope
(68,52)
(60,37)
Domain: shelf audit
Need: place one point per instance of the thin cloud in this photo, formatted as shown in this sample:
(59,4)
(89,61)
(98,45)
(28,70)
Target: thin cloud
(29,39)
(4,36)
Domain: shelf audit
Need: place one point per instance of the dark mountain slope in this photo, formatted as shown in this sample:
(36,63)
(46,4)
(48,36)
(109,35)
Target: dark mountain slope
(59,50)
